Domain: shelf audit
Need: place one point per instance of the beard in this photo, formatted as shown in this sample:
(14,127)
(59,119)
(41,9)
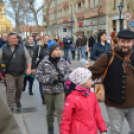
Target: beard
(127,51)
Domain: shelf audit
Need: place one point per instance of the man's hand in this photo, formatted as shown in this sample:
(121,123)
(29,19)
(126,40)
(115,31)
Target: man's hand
(28,72)
(79,46)
(68,41)
(90,48)
(33,71)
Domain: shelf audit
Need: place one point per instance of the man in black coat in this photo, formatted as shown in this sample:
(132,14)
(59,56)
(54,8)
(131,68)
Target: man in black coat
(91,42)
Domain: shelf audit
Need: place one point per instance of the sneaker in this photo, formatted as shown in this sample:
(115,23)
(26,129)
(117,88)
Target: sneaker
(18,105)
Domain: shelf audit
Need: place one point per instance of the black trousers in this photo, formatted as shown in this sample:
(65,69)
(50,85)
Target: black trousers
(73,54)
(31,80)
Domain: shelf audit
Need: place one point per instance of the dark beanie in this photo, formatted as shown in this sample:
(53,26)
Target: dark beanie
(53,47)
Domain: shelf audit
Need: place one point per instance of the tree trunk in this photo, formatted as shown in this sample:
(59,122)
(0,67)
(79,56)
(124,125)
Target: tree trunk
(47,20)
(17,27)
(73,4)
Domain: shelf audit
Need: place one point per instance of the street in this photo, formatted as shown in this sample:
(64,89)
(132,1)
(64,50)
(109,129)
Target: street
(35,122)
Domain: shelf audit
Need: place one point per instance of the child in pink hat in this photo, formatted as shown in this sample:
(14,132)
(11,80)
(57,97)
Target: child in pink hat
(81,113)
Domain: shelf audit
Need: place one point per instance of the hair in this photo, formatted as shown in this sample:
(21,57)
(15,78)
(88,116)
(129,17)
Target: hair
(29,37)
(99,36)
(11,34)
(82,32)
(79,34)
(59,41)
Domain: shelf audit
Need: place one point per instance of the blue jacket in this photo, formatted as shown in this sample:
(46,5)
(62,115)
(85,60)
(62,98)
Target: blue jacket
(66,44)
(73,47)
(99,49)
(2,43)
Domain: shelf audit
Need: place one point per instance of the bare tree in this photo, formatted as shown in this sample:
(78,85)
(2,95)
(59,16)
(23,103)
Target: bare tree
(14,9)
(46,18)
(35,12)
(73,7)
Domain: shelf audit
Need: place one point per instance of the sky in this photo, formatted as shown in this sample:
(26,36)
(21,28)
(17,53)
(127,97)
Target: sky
(38,4)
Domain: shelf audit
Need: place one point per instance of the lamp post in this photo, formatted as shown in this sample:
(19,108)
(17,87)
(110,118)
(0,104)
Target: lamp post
(71,18)
(120,10)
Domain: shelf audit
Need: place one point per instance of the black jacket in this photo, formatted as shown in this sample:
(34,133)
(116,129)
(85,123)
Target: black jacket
(78,42)
(43,52)
(115,81)
(16,65)
(91,42)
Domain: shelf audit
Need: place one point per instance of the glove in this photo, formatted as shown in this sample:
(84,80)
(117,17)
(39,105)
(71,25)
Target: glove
(53,81)
(61,79)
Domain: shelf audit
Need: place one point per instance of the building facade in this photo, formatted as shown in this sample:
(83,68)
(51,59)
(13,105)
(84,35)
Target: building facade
(112,15)
(91,15)
(5,24)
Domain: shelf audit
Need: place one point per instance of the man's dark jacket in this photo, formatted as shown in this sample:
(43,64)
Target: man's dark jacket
(91,42)
(66,44)
(16,65)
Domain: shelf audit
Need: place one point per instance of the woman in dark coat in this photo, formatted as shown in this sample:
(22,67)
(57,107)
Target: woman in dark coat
(100,47)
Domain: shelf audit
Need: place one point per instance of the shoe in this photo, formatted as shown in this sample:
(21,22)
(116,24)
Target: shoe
(69,62)
(50,130)
(31,93)
(18,105)
(43,100)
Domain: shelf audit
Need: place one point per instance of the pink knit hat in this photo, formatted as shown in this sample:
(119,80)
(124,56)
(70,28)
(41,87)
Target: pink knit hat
(80,75)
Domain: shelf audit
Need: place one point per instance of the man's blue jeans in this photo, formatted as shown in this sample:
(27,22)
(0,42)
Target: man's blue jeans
(78,53)
(83,53)
(66,54)
(41,91)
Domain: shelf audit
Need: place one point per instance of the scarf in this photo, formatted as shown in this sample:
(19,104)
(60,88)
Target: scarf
(126,62)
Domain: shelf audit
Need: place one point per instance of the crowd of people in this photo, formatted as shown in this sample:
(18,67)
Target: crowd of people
(68,92)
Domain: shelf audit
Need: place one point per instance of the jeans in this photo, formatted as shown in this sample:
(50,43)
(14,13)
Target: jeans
(73,54)
(31,80)
(67,54)
(41,91)
(117,116)
(78,53)
(83,53)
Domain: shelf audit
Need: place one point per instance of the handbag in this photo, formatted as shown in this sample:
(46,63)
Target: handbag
(3,66)
(99,87)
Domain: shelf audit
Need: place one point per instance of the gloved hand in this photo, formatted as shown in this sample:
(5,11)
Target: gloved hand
(53,81)
(61,79)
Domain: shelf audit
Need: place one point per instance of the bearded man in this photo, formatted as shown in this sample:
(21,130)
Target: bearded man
(119,82)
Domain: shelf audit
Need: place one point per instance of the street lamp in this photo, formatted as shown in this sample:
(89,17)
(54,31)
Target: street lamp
(120,9)
(71,18)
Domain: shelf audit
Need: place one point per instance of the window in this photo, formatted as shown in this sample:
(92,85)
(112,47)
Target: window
(115,3)
(94,3)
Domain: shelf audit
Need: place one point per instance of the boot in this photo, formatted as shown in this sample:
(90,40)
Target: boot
(50,130)
(43,100)
(30,92)
(18,105)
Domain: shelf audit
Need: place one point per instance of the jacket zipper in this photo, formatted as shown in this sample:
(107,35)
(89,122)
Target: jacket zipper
(90,111)
(78,128)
